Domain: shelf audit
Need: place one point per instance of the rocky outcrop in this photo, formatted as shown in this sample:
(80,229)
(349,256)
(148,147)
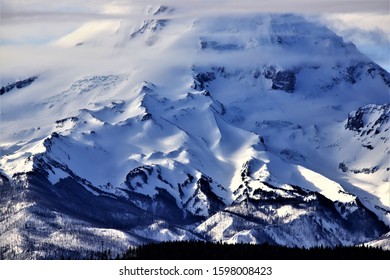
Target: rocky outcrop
(17,85)
(355,72)
(282,79)
(202,80)
(369,120)
(151,26)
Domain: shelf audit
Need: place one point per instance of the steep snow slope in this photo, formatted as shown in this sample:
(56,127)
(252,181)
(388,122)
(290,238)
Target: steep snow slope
(242,128)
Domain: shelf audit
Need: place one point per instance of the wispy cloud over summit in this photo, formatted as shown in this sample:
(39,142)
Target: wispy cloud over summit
(37,22)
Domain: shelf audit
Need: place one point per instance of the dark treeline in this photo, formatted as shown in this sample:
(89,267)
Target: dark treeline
(195,250)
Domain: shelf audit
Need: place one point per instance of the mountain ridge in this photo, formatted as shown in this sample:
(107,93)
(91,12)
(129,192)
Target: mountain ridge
(289,150)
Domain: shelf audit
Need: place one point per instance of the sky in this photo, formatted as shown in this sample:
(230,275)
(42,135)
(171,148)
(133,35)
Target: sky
(42,22)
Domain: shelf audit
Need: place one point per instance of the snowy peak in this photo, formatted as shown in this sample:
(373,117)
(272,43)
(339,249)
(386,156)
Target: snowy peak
(292,32)
(240,128)
(149,27)
(161,10)
(117,33)
(193,193)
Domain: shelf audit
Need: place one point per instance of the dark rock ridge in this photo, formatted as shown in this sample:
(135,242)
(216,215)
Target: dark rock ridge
(18,85)
(203,79)
(201,203)
(363,124)
(293,217)
(282,79)
(151,25)
(356,71)
(163,10)
(218,46)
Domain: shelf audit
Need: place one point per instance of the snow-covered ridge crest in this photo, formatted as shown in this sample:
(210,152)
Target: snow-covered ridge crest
(249,127)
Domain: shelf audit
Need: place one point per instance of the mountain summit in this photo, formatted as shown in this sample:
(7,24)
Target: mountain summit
(240,128)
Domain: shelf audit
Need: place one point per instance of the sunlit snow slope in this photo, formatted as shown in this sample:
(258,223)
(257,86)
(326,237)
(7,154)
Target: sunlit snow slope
(156,126)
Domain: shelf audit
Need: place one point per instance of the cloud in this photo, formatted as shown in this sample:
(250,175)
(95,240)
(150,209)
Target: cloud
(370,32)
(41,22)
(299,6)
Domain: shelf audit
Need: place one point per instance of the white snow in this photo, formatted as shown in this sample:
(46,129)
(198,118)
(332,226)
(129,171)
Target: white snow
(220,144)
(56,175)
(118,102)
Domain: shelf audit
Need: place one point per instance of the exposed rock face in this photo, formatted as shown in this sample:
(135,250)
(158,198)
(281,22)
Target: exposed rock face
(282,79)
(276,216)
(357,71)
(202,80)
(217,46)
(369,120)
(151,26)
(197,146)
(18,85)
(193,197)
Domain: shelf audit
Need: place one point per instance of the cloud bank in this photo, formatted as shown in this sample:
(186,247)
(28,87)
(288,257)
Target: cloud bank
(42,22)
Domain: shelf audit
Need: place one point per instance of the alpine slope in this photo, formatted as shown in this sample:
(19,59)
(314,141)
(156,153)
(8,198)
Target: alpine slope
(164,125)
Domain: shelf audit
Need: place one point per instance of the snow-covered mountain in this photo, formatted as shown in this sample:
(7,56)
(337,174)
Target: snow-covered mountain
(236,128)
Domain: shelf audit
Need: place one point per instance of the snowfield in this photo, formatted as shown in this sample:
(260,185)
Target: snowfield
(166,125)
